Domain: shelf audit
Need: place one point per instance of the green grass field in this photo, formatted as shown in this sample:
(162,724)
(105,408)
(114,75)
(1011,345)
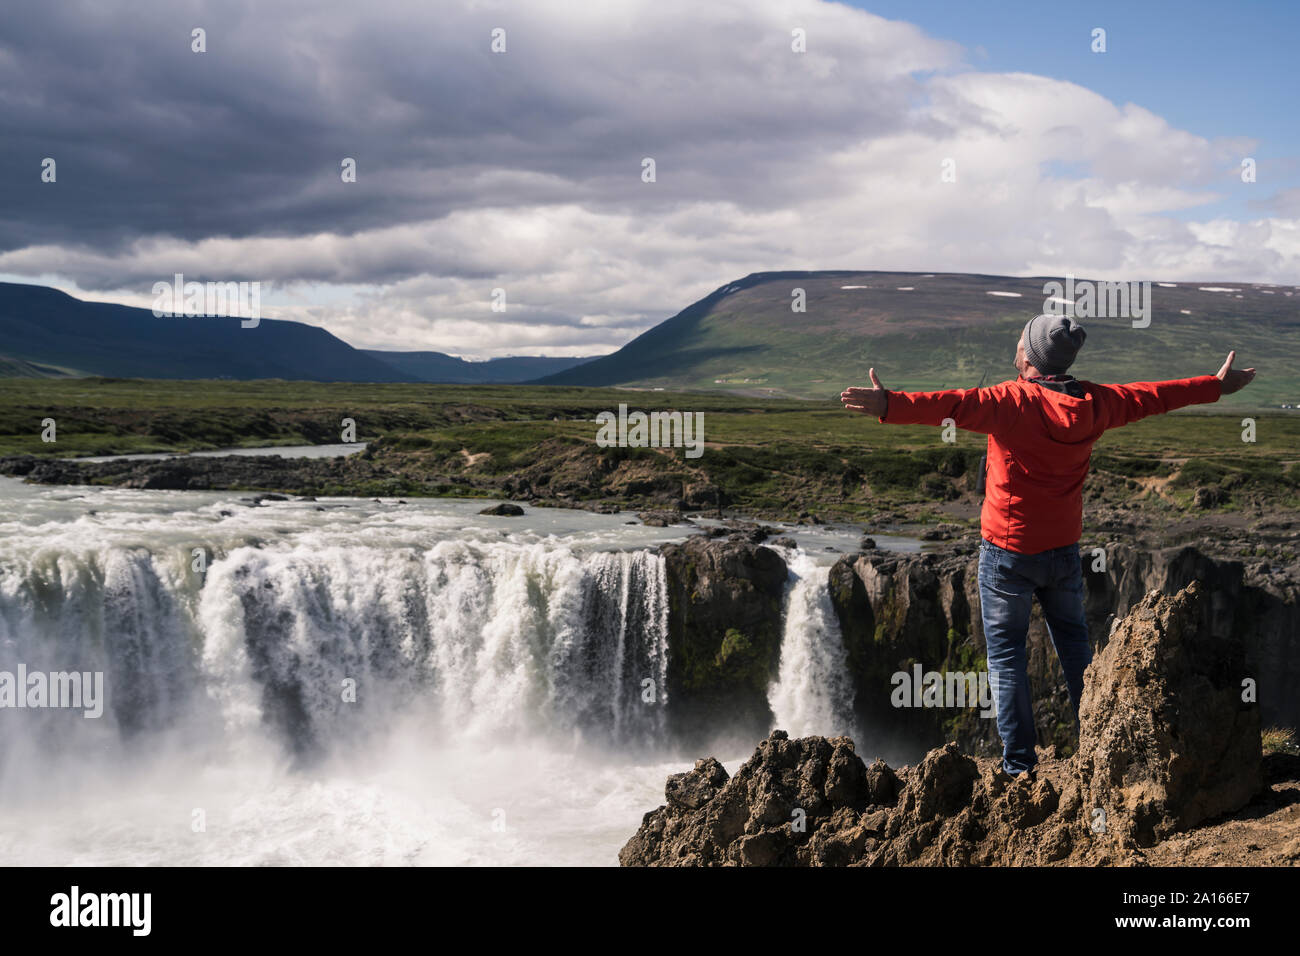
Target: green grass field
(772,456)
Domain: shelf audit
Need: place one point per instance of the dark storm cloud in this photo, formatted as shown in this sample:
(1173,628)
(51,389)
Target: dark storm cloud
(522,171)
(152,139)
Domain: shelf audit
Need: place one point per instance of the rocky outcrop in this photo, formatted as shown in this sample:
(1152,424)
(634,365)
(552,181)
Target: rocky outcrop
(724,635)
(776,811)
(561,472)
(1167,743)
(813,802)
(356,473)
(1170,733)
(898,610)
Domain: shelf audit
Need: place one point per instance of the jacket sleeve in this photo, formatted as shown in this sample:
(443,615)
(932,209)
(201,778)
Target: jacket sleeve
(984,410)
(1128,403)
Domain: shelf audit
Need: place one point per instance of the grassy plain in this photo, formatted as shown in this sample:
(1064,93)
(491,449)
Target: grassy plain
(773,456)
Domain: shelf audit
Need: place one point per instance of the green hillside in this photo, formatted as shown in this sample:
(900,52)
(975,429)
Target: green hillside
(943,331)
(47,333)
(19,368)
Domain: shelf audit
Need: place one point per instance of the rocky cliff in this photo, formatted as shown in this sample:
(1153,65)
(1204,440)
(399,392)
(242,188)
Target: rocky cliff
(724,635)
(1167,743)
(899,610)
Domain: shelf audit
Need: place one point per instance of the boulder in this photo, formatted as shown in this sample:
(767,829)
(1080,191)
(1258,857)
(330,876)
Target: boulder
(769,814)
(1169,736)
(697,787)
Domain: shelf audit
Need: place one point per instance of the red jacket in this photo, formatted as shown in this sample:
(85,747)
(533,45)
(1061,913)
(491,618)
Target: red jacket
(1040,443)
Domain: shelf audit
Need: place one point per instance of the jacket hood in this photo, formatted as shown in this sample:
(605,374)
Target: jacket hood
(1066,418)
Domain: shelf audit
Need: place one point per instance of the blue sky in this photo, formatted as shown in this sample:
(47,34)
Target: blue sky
(1214,69)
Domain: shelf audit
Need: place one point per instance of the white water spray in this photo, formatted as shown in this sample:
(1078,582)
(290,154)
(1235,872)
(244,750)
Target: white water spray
(513,665)
(812,693)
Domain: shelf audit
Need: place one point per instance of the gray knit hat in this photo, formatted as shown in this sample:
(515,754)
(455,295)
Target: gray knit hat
(1052,342)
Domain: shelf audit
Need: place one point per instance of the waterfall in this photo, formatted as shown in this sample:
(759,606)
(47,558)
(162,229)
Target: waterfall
(322,645)
(120,612)
(812,693)
(349,681)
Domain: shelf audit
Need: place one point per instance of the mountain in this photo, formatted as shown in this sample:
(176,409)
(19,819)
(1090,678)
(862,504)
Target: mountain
(440,367)
(943,330)
(47,333)
(920,331)
(44,326)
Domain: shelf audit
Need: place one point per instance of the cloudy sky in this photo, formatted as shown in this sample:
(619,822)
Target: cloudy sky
(523,169)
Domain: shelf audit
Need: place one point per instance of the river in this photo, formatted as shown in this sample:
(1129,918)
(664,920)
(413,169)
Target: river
(348,681)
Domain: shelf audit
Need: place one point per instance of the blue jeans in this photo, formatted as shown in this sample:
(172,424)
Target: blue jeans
(1008,582)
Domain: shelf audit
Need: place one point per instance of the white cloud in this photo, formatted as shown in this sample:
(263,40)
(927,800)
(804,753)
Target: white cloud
(766,160)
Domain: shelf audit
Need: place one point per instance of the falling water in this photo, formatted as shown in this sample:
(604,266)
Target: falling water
(812,693)
(330,645)
(348,681)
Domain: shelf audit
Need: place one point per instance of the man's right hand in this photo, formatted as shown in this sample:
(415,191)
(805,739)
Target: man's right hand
(867,401)
(1232,379)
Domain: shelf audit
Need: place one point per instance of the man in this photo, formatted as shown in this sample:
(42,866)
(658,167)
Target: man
(1041,428)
